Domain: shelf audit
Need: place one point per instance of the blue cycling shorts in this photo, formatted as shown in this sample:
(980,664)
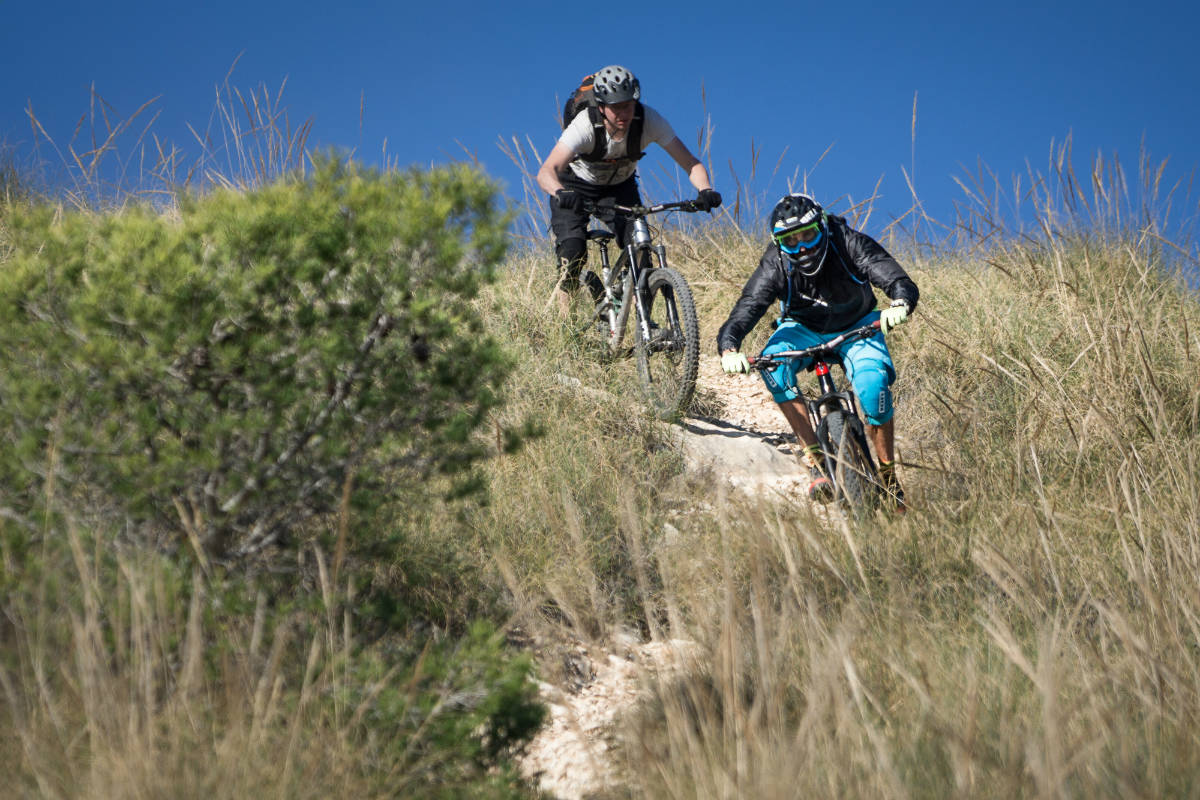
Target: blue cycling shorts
(866,361)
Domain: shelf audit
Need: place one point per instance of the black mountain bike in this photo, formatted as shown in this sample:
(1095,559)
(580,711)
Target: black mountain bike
(640,286)
(833,413)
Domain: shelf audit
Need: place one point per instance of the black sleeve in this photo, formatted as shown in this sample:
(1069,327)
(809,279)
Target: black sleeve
(760,291)
(880,268)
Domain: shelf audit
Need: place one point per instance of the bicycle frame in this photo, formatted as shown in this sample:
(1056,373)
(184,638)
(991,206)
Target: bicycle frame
(666,338)
(641,244)
(829,399)
(829,395)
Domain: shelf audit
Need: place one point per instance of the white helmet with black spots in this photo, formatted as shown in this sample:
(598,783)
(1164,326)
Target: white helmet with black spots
(615,84)
(799,228)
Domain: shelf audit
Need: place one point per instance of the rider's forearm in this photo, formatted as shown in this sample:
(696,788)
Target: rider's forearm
(904,289)
(548,181)
(698,175)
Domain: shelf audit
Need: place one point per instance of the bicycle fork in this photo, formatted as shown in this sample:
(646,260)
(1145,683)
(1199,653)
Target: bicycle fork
(639,246)
(841,400)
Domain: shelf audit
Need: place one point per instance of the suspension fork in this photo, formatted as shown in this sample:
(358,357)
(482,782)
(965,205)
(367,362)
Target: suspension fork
(824,377)
(825,391)
(637,281)
(829,392)
(844,400)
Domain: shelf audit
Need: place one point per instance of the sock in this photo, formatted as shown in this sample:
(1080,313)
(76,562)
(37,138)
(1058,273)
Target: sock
(812,455)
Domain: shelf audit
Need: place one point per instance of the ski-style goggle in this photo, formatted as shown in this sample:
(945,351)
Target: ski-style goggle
(807,237)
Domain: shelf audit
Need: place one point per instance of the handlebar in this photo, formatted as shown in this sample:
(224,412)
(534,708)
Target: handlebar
(774,359)
(594,207)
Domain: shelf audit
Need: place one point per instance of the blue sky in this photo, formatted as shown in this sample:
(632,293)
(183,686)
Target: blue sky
(994,83)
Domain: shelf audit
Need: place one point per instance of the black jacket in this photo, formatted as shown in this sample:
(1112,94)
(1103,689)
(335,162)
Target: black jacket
(853,262)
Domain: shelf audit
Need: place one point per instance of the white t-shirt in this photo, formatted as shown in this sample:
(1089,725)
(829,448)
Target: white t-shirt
(580,137)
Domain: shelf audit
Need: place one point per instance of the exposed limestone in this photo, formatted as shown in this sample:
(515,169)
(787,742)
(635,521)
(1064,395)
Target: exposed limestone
(751,447)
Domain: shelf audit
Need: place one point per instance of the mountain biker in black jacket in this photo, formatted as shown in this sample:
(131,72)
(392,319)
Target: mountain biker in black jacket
(821,272)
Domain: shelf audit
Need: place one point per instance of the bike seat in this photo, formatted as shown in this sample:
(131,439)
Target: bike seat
(600,235)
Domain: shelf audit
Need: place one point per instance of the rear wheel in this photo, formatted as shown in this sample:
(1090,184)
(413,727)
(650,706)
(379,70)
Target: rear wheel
(669,359)
(586,320)
(853,470)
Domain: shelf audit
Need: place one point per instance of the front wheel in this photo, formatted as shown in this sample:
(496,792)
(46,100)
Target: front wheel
(851,466)
(668,356)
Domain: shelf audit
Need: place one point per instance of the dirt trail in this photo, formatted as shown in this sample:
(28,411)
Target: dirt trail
(750,447)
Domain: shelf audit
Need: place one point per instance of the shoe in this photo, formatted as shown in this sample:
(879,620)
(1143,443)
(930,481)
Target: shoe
(591,281)
(893,499)
(659,337)
(820,489)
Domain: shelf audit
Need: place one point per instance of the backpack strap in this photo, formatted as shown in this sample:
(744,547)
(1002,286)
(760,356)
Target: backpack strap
(633,139)
(599,135)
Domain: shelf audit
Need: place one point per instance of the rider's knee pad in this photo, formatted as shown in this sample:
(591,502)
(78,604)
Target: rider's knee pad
(781,382)
(572,255)
(775,385)
(874,394)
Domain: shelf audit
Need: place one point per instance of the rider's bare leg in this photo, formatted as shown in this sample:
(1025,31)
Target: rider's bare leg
(883,437)
(564,301)
(797,416)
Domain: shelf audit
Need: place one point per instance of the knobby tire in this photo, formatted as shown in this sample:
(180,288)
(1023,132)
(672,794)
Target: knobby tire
(669,361)
(852,469)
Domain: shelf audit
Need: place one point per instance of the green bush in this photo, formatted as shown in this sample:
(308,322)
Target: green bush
(268,357)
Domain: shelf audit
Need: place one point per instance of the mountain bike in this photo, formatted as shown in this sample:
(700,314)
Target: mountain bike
(640,286)
(833,413)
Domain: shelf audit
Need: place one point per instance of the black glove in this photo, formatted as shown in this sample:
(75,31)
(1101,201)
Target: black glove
(567,199)
(605,210)
(708,199)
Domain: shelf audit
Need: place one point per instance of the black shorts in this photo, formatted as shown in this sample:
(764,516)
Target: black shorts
(573,223)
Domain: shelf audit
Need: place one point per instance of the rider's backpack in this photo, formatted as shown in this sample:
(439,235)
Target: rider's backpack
(584,97)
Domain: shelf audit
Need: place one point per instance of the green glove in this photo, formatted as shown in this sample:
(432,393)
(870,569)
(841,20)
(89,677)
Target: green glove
(893,316)
(734,362)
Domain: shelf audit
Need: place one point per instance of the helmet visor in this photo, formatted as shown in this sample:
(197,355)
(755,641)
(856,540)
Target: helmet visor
(797,239)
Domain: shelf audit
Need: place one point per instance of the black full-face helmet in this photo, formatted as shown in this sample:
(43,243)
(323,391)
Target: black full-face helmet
(615,84)
(799,229)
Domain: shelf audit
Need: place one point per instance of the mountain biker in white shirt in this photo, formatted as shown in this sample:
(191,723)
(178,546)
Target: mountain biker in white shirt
(574,171)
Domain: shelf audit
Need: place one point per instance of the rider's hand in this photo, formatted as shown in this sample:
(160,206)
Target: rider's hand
(567,199)
(708,199)
(893,316)
(734,362)
(606,210)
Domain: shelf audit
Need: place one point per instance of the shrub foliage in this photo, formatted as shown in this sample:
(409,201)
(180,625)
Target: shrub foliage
(267,357)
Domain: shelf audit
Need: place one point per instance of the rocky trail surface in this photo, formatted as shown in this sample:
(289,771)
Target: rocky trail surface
(750,446)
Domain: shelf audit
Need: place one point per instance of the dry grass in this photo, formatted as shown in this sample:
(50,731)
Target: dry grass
(1030,628)
(124,679)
